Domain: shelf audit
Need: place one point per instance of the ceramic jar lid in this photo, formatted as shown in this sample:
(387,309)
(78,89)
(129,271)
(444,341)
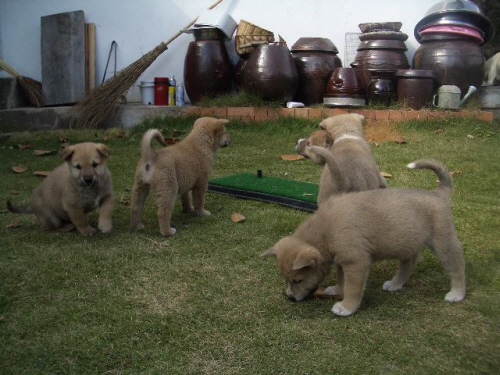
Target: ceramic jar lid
(314,44)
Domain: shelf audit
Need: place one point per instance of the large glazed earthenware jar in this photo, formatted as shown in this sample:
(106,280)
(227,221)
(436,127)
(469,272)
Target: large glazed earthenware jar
(379,55)
(454,60)
(315,59)
(271,73)
(415,87)
(207,68)
(380,90)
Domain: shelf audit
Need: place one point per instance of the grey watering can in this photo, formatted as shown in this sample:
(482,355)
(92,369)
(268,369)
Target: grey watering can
(448,97)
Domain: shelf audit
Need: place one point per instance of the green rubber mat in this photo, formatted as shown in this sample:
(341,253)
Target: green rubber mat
(300,195)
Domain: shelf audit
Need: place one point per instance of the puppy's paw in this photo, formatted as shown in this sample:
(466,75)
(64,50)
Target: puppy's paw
(333,291)
(87,231)
(203,213)
(105,228)
(137,227)
(340,310)
(391,287)
(454,296)
(170,232)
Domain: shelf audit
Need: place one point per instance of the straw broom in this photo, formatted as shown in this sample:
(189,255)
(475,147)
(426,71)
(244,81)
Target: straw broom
(31,87)
(91,111)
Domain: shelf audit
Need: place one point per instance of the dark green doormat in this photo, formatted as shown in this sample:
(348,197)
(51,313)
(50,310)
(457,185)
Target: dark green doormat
(295,194)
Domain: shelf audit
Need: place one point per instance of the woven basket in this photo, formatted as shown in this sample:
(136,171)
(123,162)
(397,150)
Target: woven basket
(248,36)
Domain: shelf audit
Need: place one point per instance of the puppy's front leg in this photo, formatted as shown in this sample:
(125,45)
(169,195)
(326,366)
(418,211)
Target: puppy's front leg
(355,276)
(80,220)
(105,214)
(199,192)
(338,289)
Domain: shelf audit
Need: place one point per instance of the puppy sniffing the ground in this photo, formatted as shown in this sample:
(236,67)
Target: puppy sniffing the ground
(80,185)
(353,230)
(350,165)
(183,168)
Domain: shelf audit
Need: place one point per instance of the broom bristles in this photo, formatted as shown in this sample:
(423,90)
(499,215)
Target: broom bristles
(32,89)
(99,103)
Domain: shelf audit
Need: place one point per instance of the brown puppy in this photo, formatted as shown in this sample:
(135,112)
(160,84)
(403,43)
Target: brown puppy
(352,167)
(183,168)
(72,190)
(353,230)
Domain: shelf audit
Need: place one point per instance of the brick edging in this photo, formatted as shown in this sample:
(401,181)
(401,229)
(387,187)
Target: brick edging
(259,114)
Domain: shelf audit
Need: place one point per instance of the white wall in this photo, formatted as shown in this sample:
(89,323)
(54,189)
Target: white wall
(140,25)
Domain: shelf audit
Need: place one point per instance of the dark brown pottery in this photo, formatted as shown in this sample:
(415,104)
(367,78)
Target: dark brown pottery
(343,82)
(380,90)
(207,70)
(271,73)
(378,55)
(315,59)
(238,71)
(415,87)
(454,60)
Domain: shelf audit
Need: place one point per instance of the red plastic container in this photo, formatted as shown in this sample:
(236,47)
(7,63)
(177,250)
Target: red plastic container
(161,90)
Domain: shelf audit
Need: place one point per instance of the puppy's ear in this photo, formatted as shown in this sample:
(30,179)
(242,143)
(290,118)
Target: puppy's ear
(102,149)
(271,252)
(306,258)
(67,153)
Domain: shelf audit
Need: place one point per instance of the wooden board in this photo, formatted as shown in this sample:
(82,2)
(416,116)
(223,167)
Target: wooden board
(89,56)
(63,58)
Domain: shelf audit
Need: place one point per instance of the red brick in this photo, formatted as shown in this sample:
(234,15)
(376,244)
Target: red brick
(207,111)
(410,115)
(220,112)
(193,111)
(286,112)
(261,114)
(382,115)
(273,113)
(395,115)
(315,113)
(327,112)
(339,111)
(485,116)
(301,112)
(245,114)
(369,114)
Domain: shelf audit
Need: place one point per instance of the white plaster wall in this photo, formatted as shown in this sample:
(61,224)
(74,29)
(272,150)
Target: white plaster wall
(140,25)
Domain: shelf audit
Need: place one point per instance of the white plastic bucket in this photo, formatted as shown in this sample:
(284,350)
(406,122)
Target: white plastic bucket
(147,92)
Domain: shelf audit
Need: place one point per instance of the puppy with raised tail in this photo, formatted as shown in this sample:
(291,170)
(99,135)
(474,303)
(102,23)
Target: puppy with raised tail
(353,230)
(181,169)
(348,162)
(80,185)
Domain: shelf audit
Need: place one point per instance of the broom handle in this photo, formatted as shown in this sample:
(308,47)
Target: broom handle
(191,23)
(8,69)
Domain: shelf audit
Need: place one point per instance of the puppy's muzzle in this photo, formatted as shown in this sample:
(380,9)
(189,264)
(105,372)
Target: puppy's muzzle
(88,180)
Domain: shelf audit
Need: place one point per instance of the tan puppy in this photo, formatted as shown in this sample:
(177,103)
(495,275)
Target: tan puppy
(492,70)
(183,168)
(350,165)
(75,188)
(353,230)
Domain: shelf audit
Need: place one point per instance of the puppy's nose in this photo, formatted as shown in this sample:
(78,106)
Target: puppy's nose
(88,180)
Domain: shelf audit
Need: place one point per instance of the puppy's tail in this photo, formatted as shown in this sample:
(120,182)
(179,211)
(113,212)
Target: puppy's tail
(19,209)
(445,184)
(147,149)
(329,160)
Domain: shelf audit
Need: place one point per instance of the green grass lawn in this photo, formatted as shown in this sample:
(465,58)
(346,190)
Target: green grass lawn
(205,302)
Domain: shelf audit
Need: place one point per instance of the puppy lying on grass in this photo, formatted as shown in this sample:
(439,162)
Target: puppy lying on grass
(80,185)
(355,229)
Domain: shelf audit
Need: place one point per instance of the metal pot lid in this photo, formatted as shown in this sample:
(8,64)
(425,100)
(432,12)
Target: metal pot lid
(456,12)
(314,44)
(382,44)
(414,73)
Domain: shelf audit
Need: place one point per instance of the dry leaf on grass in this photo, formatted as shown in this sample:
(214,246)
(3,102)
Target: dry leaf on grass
(455,173)
(24,147)
(385,175)
(41,173)
(291,157)
(43,152)
(237,218)
(400,141)
(63,139)
(19,169)
(16,224)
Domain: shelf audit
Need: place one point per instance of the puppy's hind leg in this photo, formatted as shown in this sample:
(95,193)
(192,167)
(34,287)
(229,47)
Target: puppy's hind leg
(449,252)
(140,192)
(166,203)
(199,192)
(403,273)
(187,202)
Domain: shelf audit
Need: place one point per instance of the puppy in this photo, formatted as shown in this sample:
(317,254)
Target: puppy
(492,70)
(80,185)
(183,168)
(350,165)
(353,230)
